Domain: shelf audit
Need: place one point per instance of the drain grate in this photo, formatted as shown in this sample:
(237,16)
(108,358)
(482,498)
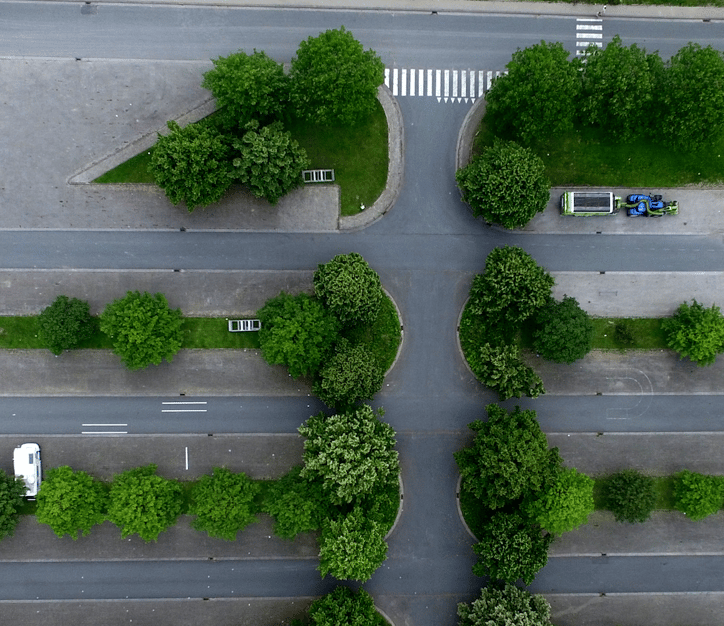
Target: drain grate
(88,9)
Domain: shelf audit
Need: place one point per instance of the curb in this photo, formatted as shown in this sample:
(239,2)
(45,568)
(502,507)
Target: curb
(460,511)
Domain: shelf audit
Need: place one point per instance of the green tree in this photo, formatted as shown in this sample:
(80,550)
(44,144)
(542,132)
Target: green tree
(296,331)
(65,323)
(334,80)
(192,164)
(269,161)
(71,502)
(143,503)
(511,548)
(564,331)
(629,495)
(505,606)
(536,98)
(501,369)
(692,99)
(697,495)
(12,493)
(144,329)
(224,503)
(351,453)
(513,286)
(563,504)
(506,184)
(349,288)
(247,87)
(349,376)
(621,85)
(695,332)
(508,458)
(352,546)
(345,606)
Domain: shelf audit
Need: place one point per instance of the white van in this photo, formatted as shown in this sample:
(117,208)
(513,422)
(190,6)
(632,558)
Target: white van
(588,203)
(26,461)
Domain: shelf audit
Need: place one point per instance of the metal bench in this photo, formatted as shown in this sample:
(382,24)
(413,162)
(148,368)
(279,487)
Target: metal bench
(318,176)
(243,326)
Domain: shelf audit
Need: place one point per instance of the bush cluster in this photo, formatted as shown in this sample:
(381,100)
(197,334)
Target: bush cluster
(629,495)
(695,332)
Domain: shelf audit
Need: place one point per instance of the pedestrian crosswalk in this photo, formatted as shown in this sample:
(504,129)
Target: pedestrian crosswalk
(448,86)
(589,32)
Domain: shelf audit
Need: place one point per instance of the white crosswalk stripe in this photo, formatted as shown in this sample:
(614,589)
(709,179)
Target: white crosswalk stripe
(448,86)
(589,32)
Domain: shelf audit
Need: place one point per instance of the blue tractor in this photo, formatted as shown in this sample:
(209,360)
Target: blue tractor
(637,205)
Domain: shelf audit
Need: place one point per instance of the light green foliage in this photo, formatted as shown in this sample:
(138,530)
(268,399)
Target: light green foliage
(224,503)
(537,97)
(349,288)
(511,548)
(564,331)
(621,86)
(192,164)
(344,606)
(563,504)
(505,606)
(296,331)
(695,332)
(12,492)
(352,547)
(334,80)
(269,161)
(297,505)
(71,502)
(698,495)
(348,377)
(144,329)
(513,286)
(142,503)
(692,100)
(501,369)
(247,87)
(351,453)
(65,323)
(506,184)
(630,496)
(508,458)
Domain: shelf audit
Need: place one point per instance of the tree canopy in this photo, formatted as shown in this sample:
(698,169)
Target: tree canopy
(351,375)
(564,331)
(695,332)
(71,502)
(144,329)
(65,323)
(698,495)
(501,369)
(345,606)
(12,494)
(505,606)
(506,184)
(334,80)
(630,496)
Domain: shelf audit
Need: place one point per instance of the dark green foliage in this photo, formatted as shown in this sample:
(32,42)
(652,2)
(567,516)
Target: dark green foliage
(351,453)
(621,86)
(334,80)
(348,377)
(511,548)
(512,288)
(563,504)
(296,331)
(12,493)
(247,87)
(144,329)
(501,369)
(692,100)
(71,502)
(268,161)
(352,546)
(508,458)
(695,332)
(505,606)
(344,606)
(630,496)
(349,288)
(65,323)
(537,97)
(297,505)
(142,503)
(224,503)
(192,164)
(624,332)
(698,495)
(506,184)
(564,331)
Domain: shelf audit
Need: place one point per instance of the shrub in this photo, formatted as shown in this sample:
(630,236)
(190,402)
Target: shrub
(348,377)
(624,332)
(630,496)
(345,606)
(564,331)
(695,332)
(505,606)
(501,369)
(697,495)
(65,323)
(12,492)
